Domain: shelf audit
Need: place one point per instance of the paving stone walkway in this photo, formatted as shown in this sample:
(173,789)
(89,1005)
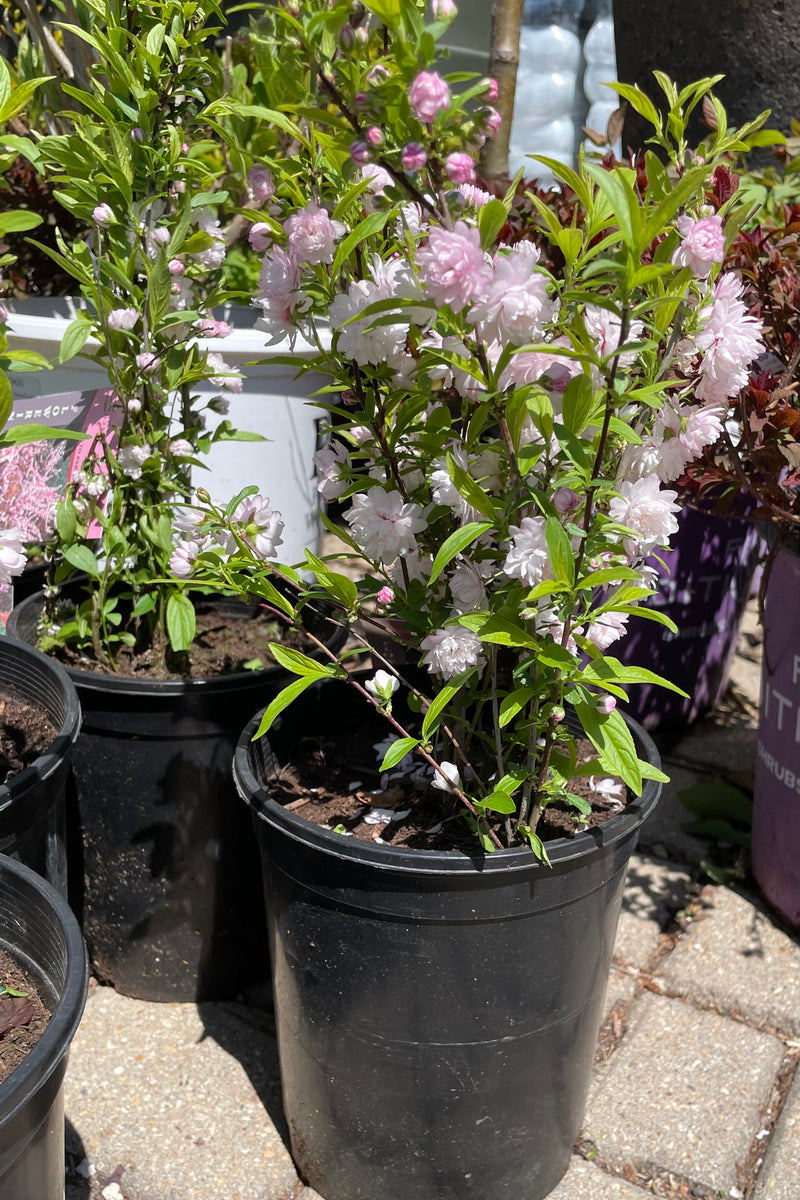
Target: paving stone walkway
(695,1091)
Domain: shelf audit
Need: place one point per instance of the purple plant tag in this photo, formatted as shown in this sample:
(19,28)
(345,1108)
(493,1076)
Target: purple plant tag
(704,591)
(776,799)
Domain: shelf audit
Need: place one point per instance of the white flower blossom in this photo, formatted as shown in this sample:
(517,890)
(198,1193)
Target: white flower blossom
(329,463)
(260,526)
(647,509)
(528,558)
(132,458)
(384,525)
(448,779)
(451,650)
(12,555)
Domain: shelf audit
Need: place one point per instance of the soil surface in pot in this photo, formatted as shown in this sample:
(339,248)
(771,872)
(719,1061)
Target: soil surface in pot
(26,731)
(23,1018)
(228,640)
(337,784)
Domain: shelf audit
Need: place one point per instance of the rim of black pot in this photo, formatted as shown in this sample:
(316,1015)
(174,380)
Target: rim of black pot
(45,764)
(132,686)
(565,851)
(30,1075)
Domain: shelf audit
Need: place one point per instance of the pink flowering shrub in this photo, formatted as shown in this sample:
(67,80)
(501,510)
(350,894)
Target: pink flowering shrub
(507,439)
(30,488)
(146,313)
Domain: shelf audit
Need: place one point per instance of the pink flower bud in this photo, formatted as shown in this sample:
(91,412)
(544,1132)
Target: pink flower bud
(413,157)
(176,267)
(103,215)
(362,101)
(492,121)
(491,90)
(565,500)
(605,704)
(360,153)
(161,236)
(374,136)
(184,147)
(137,134)
(260,237)
(385,597)
(557,714)
(443,10)
(428,95)
(460,167)
(377,74)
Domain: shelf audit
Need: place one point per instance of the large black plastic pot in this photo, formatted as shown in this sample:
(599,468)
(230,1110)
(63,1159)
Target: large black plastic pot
(172,905)
(38,929)
(33,802)
(436,1014)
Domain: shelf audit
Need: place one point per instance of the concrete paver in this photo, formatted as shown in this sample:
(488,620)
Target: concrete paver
(620,990)
(780,1171)
(654,892)
(663,834)
(735,958)
(183,1098)
(682,1092)
(584,1181)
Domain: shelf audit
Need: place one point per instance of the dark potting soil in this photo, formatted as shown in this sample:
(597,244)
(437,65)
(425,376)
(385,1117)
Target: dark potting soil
(26,731)
(337,784)
(228,640)
(23,1019)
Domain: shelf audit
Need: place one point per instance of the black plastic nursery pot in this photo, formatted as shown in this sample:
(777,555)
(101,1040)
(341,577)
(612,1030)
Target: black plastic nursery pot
(436,1014)
(172,906)
(33,802)
(40,931)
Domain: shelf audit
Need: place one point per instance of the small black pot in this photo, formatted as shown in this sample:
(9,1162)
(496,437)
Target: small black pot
(38,929)
(172,905)
(436,1013)
(33,802)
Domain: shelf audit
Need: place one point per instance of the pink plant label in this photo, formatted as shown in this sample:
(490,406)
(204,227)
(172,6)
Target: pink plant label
(35,474)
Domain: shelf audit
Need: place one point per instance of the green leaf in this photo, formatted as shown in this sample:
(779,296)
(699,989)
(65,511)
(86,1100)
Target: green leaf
(614,743)
(498,801)
(83,560)
(18,220)
(397,751)
(469,489)
(560,551)
(66,521)
(438,705)
(638,100)
(21,434)
(181,622)
(144,604)
(491,219)
(371,225)
(535,842)
(6,401)
(297,663)
(578,404)
(617,186)
(387,11)
(455,544)
(282,701)
(513,703)
(75,338)
(553,655)
(500,631)
(651,772)
(605,670)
